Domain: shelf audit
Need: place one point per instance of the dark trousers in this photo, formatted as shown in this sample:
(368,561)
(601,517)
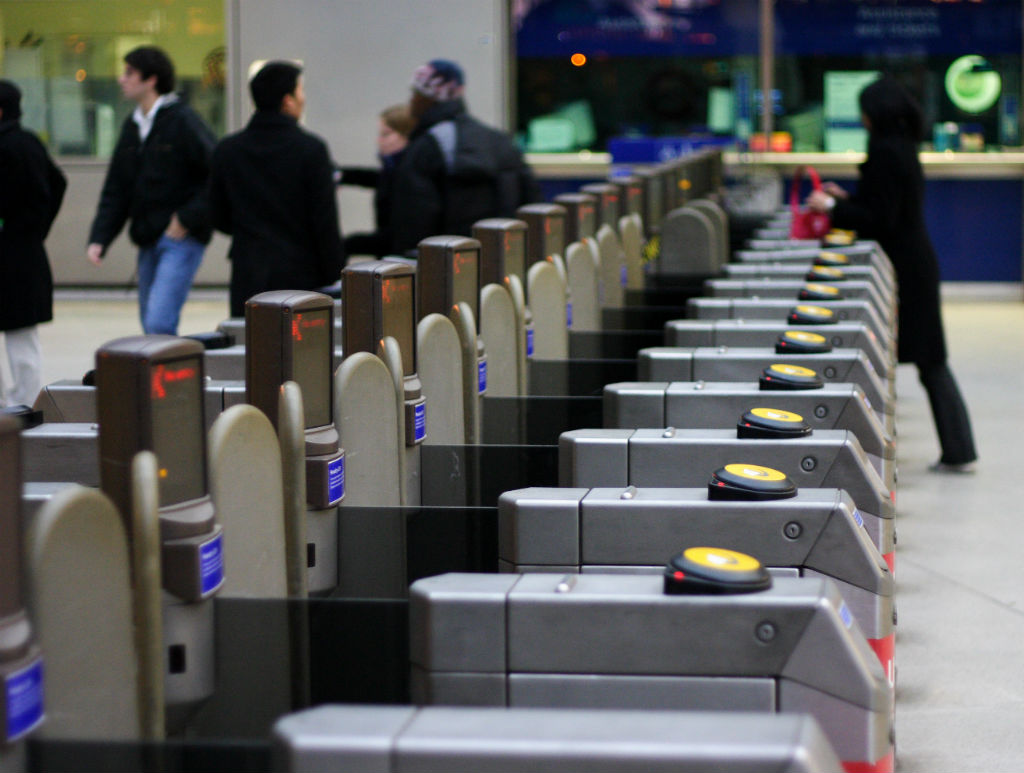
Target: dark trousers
(951,420)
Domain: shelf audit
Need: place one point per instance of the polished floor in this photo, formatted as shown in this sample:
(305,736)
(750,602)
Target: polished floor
(960,556)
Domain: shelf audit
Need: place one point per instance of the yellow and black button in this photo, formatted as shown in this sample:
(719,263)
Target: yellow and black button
(825,274)
(805,314)
(749,482)
(837,237)
(772,423)
(780,377)
(714,571)
(815,291)
(827,258)
(802,342)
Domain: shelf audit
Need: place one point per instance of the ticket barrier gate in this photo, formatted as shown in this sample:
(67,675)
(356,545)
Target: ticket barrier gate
(865,253)
(779,308)
(758,332)
(799,290)
(713,404)
(390,739)
(817,272)
(546,640)
(21,660)
(739,363)
(752,509)
(674,458)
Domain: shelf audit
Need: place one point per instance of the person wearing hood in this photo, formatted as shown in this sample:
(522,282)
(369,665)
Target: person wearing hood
(888,206)
(30,196)
(272,190)
(456,170)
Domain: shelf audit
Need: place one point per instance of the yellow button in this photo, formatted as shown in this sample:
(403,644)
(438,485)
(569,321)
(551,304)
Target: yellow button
(776,415)
(755,471)
(793,370)
(720,558)
(805,336)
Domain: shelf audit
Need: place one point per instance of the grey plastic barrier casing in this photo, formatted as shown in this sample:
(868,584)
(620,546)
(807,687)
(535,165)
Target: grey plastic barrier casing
(718,404)
(618,642)
(790,288)
(745,363)
(778,308)
(818,532)
(677,458)
(760,332)
(393,739)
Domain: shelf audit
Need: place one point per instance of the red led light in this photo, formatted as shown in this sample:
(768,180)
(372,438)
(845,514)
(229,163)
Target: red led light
(677,575)
(296,333)
(162,375)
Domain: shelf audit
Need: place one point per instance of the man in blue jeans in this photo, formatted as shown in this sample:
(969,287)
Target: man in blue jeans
(157,179)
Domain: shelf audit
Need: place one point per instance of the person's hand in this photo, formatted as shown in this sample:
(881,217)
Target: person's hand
(819,201)
(94,252)
(175,230)
(835,190)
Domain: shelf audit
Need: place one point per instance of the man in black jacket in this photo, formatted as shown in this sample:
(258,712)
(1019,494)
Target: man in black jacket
(30,195)
(272,188)
(456,169)
(157,179)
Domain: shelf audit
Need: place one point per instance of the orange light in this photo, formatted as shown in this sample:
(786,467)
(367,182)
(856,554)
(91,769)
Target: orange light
(80,75)
(578,60)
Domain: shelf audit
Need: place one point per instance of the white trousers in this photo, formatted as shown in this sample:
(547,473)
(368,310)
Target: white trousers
(24,358)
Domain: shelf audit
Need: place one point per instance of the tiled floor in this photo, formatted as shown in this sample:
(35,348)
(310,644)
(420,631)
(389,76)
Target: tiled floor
(960,571)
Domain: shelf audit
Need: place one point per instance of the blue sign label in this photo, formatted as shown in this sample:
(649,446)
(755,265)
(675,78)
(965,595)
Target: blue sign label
(481,376)
(24,696)
(529,342)
(211,565)
(622,276)
(857,517)
(336,480)
(844,614)
(420,419)
(568,314)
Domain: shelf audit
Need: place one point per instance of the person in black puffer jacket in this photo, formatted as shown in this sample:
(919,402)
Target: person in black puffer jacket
(456,169)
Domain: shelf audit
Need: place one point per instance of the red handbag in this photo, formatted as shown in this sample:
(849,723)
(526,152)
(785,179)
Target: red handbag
(806,224)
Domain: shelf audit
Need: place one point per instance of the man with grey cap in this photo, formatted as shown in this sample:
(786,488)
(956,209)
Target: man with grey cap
(456,170)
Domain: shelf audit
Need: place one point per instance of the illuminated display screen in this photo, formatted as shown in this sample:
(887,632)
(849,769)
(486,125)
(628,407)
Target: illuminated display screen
(634,197)
(554,236)
(609,209)
(176,405)
(465,279)
(312,363)
(654,200)
(397,317)
(587,219)
(10,513)
(515,252)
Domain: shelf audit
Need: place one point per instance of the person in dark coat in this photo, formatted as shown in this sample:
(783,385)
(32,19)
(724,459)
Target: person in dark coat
(157,179)
(272,190)
(456,169)
(888,207)
(396,124)
(31,191)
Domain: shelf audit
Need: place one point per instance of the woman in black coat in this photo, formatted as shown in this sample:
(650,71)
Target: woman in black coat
(31,191)
(888,207)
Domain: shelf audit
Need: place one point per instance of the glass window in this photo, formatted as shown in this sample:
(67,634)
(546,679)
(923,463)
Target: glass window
(961,58)
(66,56)
(589,72)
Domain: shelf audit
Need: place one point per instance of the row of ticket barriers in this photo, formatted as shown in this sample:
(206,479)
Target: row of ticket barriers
(588,490)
